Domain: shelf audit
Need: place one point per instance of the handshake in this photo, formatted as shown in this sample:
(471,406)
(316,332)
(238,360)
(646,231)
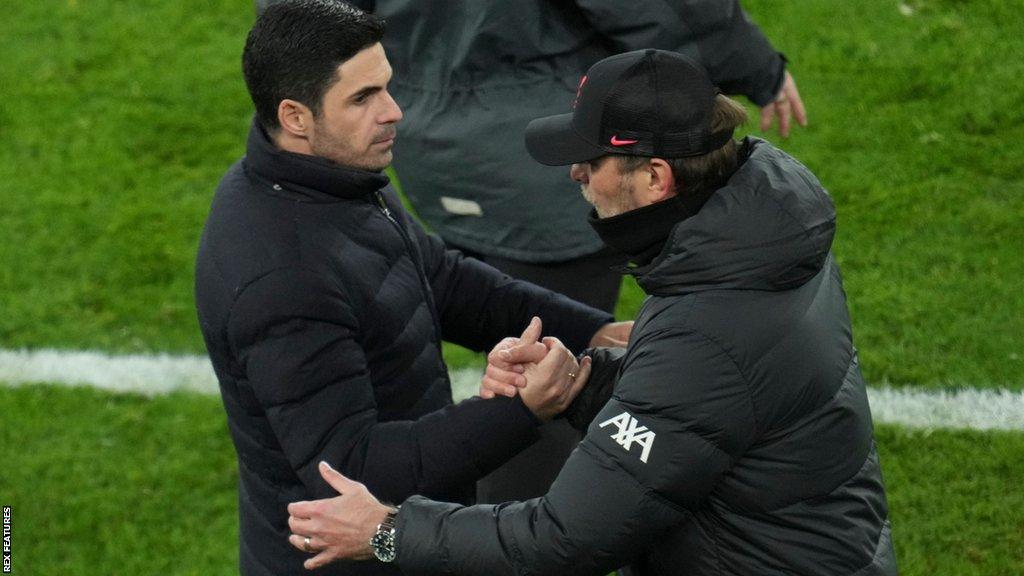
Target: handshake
(545,374)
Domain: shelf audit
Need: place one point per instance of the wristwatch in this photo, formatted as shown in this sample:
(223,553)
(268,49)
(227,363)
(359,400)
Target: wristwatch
(383,542)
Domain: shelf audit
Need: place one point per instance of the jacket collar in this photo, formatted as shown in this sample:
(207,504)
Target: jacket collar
(769,228)
(309,177)
(641,233)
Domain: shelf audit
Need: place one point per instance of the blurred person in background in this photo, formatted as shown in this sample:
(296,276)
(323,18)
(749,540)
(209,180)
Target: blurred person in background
(471,75)
(733,435)
(323,303)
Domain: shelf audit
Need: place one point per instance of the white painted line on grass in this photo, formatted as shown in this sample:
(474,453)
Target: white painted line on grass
(144,374)
(164,373)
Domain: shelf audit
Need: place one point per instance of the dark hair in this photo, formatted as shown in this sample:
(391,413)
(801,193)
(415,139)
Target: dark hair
(294,50)
(702,175)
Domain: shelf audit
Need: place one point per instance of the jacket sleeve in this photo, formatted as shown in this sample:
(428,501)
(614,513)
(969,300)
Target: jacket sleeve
(478,305)
(737,55)
(308,371)
(604,370)
(679,417)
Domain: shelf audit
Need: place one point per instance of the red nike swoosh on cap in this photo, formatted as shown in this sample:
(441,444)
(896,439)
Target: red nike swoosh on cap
(617,142)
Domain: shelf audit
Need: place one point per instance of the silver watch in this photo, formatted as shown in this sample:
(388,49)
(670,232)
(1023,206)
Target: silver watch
(383,542)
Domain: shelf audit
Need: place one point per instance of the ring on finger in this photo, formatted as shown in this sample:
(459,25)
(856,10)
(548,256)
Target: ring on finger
(306,546)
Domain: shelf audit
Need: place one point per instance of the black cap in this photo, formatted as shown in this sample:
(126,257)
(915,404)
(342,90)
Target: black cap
(642,103)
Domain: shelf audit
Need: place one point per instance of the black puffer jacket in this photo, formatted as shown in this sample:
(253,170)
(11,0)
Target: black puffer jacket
(323,306)
(738,439)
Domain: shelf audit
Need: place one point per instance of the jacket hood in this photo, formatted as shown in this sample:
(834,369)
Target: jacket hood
(769,228)
(315,179)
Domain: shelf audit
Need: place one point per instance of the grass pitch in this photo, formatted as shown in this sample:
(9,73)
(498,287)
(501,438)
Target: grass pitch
(118,118)
(121,484)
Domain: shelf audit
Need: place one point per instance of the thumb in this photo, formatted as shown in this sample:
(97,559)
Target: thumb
(336,479)
(532,332)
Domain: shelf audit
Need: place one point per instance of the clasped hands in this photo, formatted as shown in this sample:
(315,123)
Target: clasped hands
(544,373)
(541,370)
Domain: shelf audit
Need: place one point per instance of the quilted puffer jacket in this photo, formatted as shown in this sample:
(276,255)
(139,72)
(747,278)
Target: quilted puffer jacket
(738,437)
(323,305)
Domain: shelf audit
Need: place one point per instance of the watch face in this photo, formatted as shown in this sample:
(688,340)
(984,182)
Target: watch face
(383,544)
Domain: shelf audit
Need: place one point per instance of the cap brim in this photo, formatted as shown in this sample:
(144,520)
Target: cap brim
(553,141)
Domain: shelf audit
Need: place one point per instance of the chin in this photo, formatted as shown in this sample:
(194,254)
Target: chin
(378,164)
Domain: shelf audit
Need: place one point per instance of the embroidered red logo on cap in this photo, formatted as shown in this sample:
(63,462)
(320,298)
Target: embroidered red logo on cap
(617,142)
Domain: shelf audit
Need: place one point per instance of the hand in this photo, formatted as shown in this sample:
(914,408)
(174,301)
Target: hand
(613,335)
(506,362)
(338,528)
(787,104)
(552,383)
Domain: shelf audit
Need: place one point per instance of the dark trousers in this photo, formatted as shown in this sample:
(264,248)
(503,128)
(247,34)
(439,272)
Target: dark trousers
(589,280)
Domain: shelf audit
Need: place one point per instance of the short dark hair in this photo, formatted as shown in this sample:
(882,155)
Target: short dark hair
(294,50)
(702,175)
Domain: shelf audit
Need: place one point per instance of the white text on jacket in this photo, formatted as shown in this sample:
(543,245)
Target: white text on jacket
(631,431)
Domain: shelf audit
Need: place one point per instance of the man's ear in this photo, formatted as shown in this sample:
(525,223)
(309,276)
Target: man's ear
(661,181)
(295,118)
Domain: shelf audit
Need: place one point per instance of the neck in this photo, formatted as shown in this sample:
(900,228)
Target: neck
(641,233)
(289,142)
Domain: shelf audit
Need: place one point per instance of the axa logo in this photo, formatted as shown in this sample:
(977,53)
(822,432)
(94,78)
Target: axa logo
(629,432)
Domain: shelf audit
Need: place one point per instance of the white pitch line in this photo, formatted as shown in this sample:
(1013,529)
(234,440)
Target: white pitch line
(140,373)
(150,375)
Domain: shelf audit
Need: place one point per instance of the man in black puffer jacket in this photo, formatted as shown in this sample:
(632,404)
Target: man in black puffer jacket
(323,304)
(471,75)
(737,438)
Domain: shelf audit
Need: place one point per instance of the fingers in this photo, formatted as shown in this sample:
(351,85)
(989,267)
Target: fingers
(787,105)
(299,541)
(506,377)
(319,560)
(303,509)
(494,357)
(299,525)
(494,386)
(785,112)
(798,105)
(532,332)
(557,353)
(767,115)
(336,479)
(581,378)
(523,353)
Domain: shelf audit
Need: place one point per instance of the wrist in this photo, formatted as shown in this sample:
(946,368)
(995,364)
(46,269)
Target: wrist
(382,543)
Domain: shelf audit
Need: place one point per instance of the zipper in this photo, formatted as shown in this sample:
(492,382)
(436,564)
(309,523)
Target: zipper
(387,211)
(424,284)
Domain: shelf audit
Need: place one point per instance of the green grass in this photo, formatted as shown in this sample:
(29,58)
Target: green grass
(119,118)
(955,500)
(120,484)
(104,483)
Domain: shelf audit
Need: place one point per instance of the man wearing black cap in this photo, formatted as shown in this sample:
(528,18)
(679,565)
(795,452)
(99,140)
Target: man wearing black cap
(733,435)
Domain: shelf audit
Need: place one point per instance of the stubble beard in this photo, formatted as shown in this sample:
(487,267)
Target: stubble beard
(622,203)
(338,150)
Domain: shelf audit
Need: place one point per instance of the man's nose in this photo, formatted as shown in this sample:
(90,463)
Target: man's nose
(578,173)
(392,112)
